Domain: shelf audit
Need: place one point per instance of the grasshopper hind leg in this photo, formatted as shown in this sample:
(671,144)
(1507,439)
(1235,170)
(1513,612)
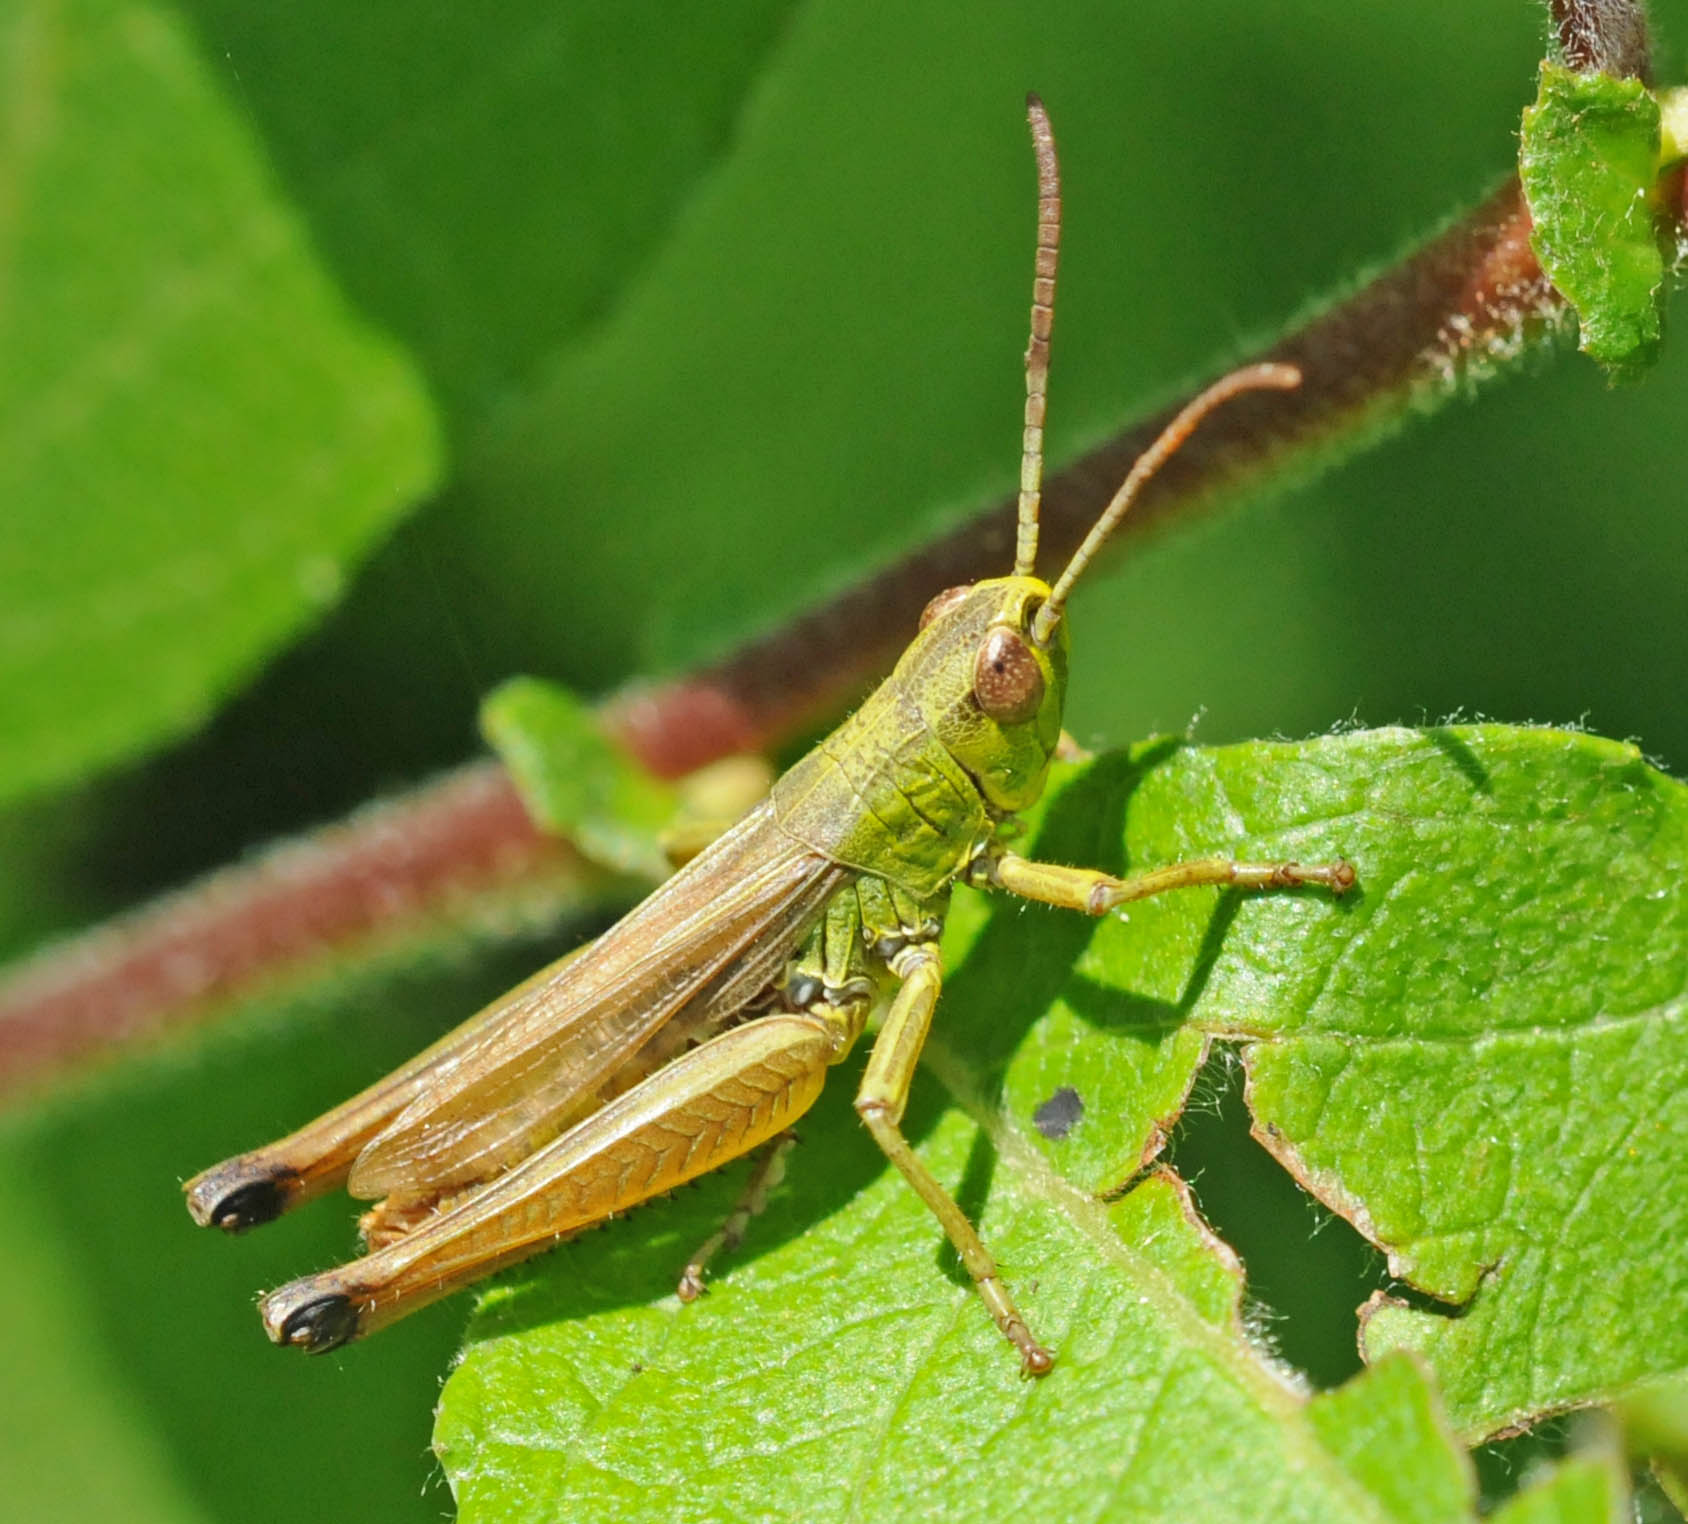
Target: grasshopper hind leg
(713,1104)
(321,1325)
(234,1198)
(827,984)
(766,1172)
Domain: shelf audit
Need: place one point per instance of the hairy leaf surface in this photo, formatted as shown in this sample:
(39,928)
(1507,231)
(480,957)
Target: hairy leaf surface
(1477,1057)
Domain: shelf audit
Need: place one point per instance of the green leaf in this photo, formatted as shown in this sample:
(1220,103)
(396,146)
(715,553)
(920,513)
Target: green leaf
(857,1377)
(1655,1429)
(574,782)
(1581,1490)
(1386,1426)
(198,438)
(254,263)
(1521,900)
(1589,161)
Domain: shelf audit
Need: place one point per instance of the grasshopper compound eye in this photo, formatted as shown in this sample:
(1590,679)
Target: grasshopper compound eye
(942,604)
(1007,681)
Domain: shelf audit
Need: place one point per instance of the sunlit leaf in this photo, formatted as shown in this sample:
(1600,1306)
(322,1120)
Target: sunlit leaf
(1433,1054)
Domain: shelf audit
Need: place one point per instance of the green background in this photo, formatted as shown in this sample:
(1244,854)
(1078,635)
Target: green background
(358,357)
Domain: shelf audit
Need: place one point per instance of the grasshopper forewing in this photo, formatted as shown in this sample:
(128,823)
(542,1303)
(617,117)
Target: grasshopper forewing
(701,1025)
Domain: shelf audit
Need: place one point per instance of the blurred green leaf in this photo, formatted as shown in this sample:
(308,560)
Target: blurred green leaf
(1655,1432)
(1589,160)
(1521,904)
(242,275)
(198,438)
(1581,1490)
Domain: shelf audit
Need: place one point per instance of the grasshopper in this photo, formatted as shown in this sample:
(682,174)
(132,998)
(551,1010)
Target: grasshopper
(701,1026)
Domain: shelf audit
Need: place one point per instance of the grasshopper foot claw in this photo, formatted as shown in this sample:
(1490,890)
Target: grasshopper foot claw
(1035,1360)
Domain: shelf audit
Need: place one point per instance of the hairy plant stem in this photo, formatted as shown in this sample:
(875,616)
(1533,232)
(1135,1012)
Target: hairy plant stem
(1604,36)
(1470,302)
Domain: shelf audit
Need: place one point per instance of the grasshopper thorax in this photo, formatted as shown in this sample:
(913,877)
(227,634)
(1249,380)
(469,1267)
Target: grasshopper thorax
(987,689)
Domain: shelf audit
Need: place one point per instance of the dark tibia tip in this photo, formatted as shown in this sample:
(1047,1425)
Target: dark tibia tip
(250,1205)
(236,1195)
(322,1325)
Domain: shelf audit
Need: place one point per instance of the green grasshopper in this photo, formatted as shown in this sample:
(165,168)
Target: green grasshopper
(701,1026)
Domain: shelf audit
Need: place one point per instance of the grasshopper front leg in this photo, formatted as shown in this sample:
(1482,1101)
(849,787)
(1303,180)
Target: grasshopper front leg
(707,1108)
(890,1068)
(881,1101)
(1096,893)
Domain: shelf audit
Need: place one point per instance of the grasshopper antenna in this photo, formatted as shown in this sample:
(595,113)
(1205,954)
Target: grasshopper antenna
(1037,350)
(1251,378)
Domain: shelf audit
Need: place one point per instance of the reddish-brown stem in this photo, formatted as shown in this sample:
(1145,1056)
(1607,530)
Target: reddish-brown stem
(1460,306)
(1603,36)
(1463,303)
(453,845)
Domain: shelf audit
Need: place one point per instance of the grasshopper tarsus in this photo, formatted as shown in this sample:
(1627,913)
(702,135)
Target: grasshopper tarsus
(1338,877)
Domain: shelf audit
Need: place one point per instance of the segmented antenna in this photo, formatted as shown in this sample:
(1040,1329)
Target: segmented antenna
(1037,350)
(1251,378)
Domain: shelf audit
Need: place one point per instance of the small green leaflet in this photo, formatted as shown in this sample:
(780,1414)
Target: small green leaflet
(573,780)
(1589,162)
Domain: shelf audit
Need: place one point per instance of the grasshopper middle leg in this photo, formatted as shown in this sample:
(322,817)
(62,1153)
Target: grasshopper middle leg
(881,1101)
(1096,893)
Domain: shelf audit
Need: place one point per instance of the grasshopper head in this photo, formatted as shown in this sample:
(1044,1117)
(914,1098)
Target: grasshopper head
(989,669)
(988,690)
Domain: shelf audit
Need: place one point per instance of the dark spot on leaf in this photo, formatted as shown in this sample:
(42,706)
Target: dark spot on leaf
(1056,1116)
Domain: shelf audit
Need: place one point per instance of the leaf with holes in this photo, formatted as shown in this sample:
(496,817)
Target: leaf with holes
(1478,1058)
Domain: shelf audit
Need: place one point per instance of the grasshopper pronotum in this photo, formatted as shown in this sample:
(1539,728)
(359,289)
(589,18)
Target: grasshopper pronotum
(701,1025)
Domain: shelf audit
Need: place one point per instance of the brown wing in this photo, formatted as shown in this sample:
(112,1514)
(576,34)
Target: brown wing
(730,917)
